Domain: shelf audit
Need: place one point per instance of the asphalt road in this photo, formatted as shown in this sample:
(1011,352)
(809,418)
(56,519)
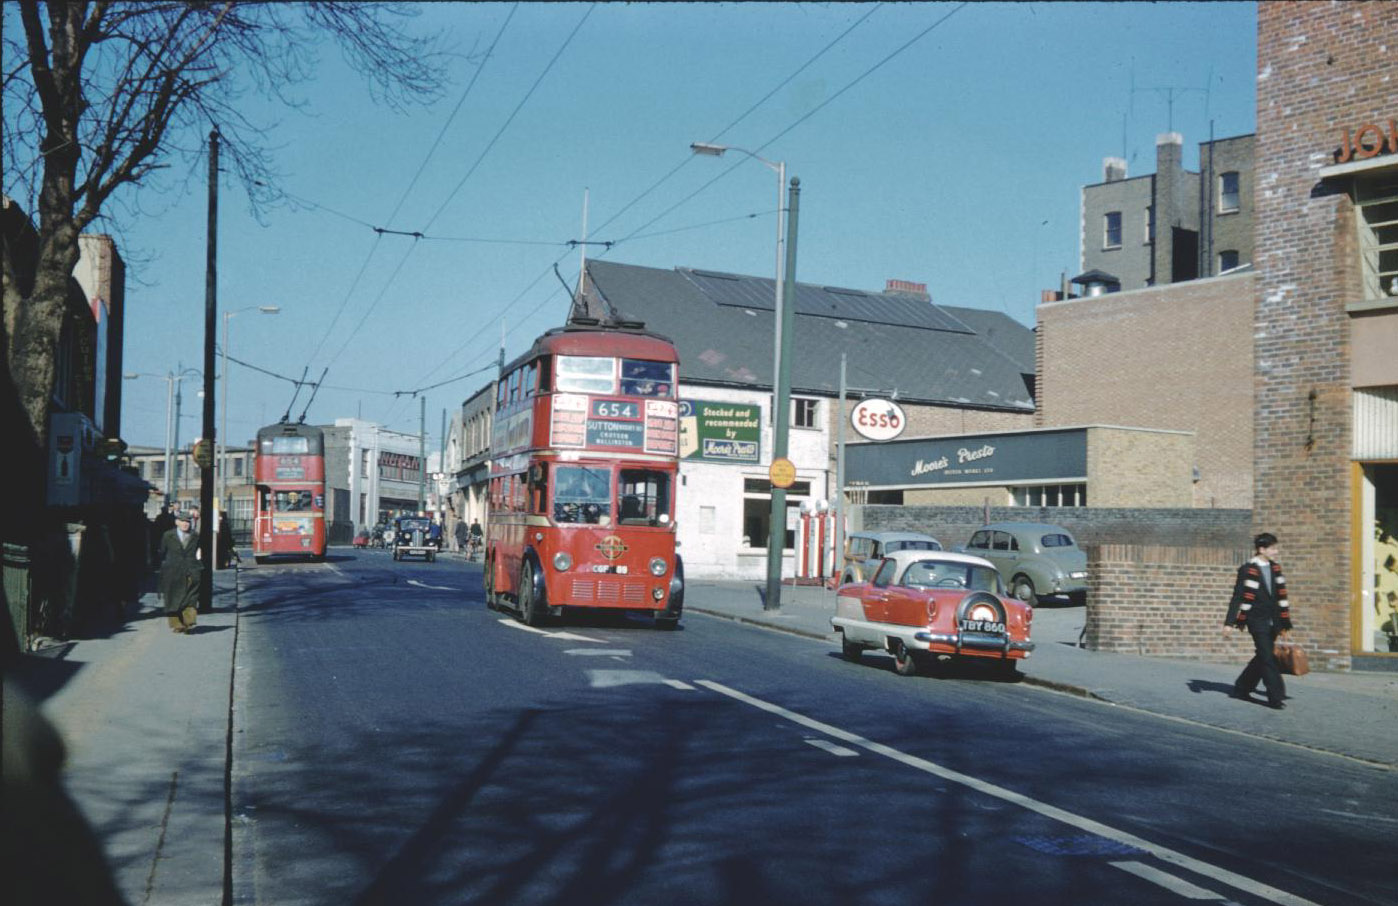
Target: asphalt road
(397,742)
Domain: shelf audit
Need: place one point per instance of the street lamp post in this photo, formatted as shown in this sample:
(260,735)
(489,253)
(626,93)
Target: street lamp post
(781,364)
(223,430)
(173,399)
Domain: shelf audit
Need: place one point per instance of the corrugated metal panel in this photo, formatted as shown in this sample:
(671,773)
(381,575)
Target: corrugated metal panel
(1376,423)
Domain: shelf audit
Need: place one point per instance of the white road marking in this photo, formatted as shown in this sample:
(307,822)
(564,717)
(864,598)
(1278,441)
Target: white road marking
(1364,818)
(605,679)
(827,745)
(1222,875)
(599,652)
(679,684)
(433,587)
(1168,881)
(565,636)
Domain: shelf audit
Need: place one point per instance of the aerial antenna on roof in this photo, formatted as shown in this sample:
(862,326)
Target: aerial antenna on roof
(286,416)
(316,386)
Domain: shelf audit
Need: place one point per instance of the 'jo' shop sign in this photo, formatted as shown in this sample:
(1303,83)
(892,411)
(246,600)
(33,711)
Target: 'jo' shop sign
(1367,140)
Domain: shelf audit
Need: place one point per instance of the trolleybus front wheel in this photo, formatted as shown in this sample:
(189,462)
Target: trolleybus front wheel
(531,609)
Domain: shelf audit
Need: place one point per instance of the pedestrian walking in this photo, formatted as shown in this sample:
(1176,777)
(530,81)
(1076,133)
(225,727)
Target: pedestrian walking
(460,535)
(227,553)
(180,571)
(1260,606)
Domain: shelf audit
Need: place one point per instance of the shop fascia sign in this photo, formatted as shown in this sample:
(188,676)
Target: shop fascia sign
(878,419)
(1367,140)
(963,456)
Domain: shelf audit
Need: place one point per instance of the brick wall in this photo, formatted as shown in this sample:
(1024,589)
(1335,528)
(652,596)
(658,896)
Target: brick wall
(1181,363)
(1322,67)
(1140,469)
(1181,616)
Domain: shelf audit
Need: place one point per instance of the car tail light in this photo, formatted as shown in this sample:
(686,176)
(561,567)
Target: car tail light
(931,610)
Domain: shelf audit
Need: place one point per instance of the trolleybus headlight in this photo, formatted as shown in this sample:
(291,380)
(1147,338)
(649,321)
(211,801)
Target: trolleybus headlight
(562,562)
(657,592)
(657,566)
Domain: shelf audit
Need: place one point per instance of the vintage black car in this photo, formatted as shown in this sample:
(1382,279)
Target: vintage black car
(412,538)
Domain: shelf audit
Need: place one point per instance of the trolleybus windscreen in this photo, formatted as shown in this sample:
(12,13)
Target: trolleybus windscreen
(585,374)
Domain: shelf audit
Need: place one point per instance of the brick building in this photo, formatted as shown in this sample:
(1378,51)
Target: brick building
(1185,367)
(1174,224)
(1325,430)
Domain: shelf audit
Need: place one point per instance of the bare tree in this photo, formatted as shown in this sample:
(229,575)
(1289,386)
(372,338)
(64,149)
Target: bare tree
(101,97)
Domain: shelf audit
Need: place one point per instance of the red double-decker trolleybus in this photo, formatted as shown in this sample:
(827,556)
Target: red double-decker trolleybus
(583,481)
(289,473)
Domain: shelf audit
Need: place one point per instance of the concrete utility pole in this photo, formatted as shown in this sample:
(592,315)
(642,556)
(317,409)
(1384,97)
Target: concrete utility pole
(206,477)
(781,416)
(422,455)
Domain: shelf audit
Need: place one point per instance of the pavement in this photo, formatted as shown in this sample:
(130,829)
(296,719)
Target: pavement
(146,716)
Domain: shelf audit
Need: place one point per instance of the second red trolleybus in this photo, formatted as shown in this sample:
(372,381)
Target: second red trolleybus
(582,485)
(289,507)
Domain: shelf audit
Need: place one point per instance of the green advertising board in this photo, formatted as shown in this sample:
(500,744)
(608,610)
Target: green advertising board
(720,432)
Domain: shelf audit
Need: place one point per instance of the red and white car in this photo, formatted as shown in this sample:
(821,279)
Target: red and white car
(926,606)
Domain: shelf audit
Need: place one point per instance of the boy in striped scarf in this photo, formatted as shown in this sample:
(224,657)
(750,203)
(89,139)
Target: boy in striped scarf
(1260,606)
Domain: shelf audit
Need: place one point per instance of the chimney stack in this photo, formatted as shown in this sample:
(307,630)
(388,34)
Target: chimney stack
(907,287)
(1113,169)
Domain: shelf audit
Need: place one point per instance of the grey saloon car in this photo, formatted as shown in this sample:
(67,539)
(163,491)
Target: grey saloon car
(864,550)
(1036,559)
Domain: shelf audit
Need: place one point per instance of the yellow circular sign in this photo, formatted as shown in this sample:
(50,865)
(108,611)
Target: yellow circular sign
(782,473)
(204,454)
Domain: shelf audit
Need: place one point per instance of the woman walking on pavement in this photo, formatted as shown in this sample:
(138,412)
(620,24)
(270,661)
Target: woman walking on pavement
(180,570)
(1260,606)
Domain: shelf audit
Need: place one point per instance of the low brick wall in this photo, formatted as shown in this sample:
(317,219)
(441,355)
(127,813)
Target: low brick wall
(1162,601)
(1170,602)
(953,525)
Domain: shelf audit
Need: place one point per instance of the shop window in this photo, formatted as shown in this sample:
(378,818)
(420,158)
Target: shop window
(1050,495)
(1378,541)
(1111,230)
(757,510)
(1228,192)
(1378,235)
(804,413)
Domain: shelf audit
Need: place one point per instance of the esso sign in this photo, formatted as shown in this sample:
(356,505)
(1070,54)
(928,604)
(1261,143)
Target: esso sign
(878,419)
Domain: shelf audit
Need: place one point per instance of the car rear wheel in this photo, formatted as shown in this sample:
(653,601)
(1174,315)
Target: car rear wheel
(1022,587)
(904,660)
(850,650)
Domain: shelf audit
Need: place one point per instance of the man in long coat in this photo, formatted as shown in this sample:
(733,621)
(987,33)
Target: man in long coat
(180,570)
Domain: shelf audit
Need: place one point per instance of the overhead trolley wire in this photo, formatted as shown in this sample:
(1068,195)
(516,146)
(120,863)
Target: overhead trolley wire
(636,234)
(490,52)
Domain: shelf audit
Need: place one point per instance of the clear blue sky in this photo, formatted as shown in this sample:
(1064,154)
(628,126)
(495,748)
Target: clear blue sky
(956,163)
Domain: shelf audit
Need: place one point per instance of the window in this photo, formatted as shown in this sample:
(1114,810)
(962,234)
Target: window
(157,469)
(1378,236)
(645,497)
(582,495)
(584,374)
(1150,224)
(1051,495)
(1228,192)
(642,378)
(804,414)
(1227,260)
(238,467)
(1111,230)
